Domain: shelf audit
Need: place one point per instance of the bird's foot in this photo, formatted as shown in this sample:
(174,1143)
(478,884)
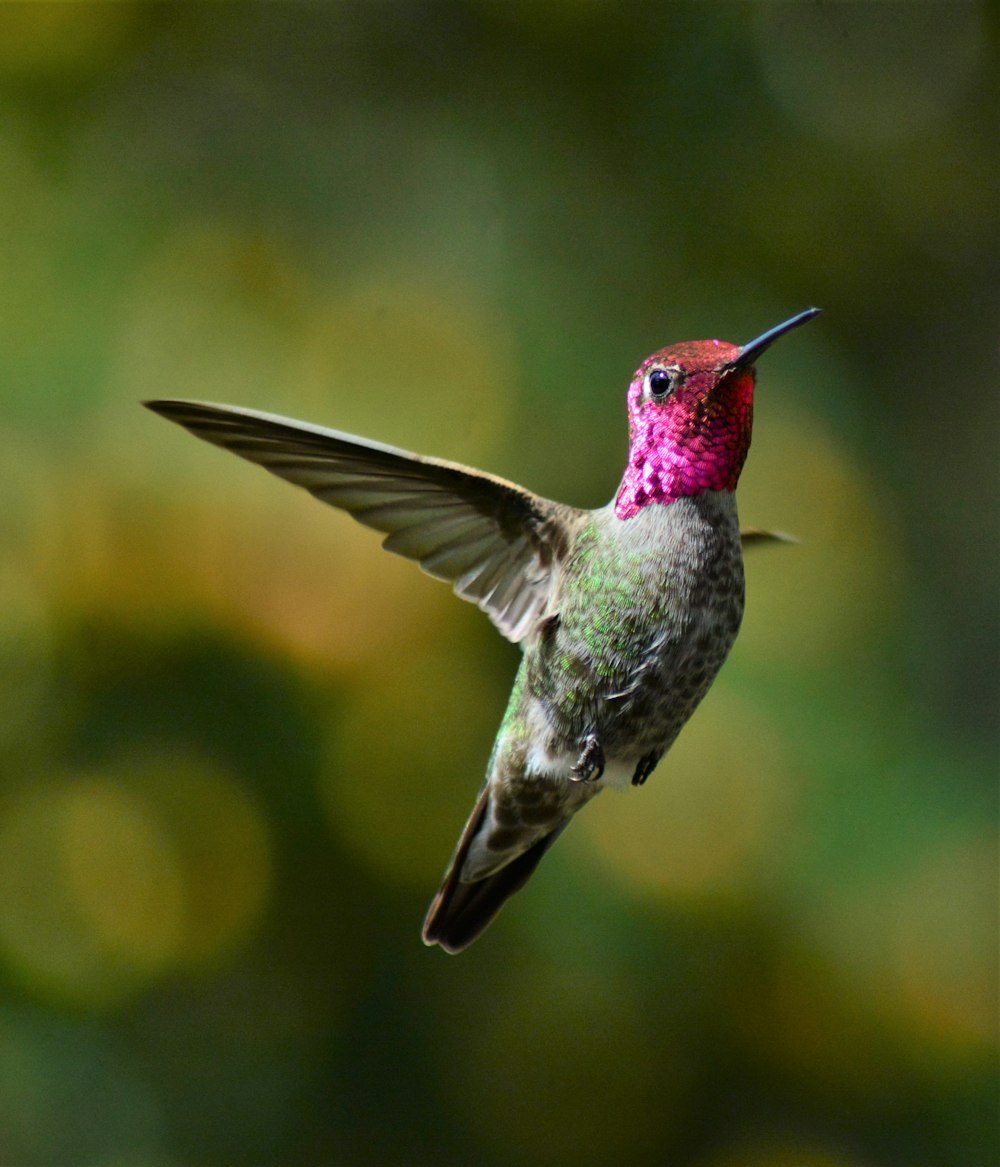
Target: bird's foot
(647,764)
(590,764)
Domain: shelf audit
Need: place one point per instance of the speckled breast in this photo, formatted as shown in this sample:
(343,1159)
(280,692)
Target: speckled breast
(649,612)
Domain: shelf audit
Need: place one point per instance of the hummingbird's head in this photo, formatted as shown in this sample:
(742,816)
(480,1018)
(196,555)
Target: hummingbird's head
(690,409)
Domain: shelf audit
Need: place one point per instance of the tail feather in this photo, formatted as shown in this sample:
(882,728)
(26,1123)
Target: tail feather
(460,912)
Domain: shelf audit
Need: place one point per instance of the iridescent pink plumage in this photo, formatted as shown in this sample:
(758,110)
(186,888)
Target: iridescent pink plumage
(695,436)
(690,411)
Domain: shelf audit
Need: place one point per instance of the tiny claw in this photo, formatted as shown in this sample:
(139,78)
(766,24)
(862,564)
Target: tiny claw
(590,764)
(647,764)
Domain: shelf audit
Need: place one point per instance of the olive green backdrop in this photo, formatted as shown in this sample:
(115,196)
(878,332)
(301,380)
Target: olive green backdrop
(237,740)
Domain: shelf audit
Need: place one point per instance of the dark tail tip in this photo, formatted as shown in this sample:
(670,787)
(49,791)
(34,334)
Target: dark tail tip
(461,912)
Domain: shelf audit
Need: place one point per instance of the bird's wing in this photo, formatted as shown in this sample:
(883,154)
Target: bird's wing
(755,536)
(495,542)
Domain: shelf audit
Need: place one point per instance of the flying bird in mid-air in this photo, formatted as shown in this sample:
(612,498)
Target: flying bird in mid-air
(625,614)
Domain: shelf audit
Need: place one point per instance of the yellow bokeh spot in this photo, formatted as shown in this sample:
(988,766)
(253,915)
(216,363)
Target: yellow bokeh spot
(712,811)
(114,879)
(121,873)
(93,893)
(222,843)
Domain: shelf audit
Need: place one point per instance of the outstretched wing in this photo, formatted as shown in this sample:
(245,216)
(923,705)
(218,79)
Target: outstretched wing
(495,542)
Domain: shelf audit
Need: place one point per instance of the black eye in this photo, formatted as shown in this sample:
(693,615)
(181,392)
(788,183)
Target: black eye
(659,382)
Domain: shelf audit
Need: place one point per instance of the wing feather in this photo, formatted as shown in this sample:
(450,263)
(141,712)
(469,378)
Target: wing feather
(495,542)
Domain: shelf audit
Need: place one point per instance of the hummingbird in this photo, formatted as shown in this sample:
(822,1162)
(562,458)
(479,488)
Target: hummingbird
(624,614)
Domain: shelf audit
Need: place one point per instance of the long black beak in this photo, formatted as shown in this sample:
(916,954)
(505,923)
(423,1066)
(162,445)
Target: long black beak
(751,351)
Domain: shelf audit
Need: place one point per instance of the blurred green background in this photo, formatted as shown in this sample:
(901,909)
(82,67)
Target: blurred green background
(238,741)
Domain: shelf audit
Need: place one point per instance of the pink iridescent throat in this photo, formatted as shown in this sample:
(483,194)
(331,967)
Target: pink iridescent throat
(694,441)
